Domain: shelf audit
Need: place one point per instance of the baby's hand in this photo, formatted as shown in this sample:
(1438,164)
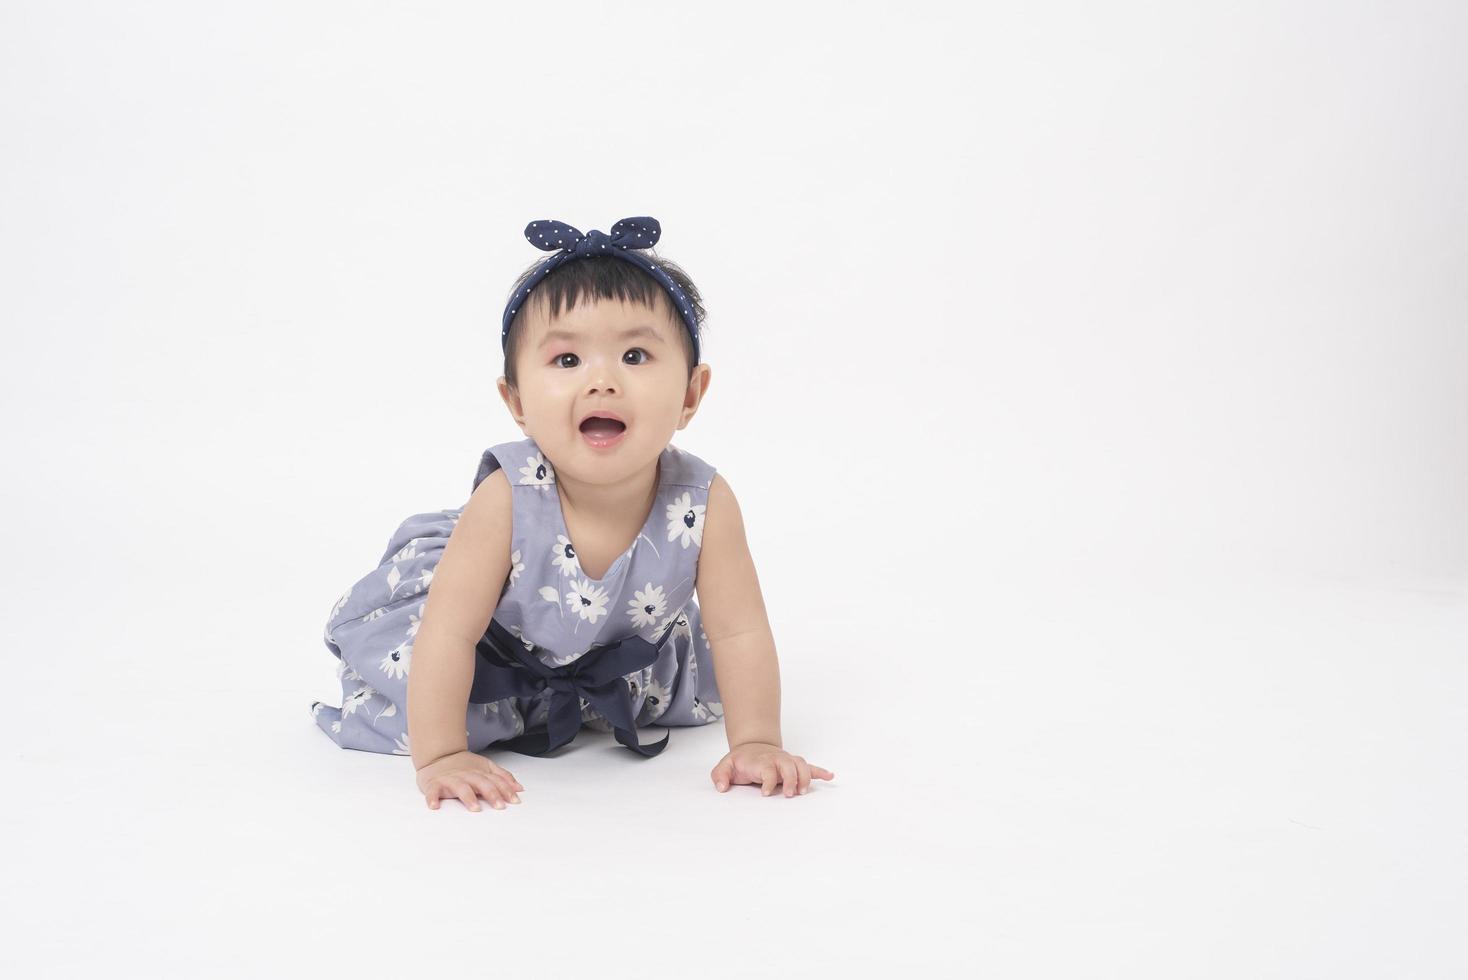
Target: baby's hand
(770,765)
(468,776)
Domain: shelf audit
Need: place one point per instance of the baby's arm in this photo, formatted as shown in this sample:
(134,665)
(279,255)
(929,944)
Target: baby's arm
(462,597)
(736,624)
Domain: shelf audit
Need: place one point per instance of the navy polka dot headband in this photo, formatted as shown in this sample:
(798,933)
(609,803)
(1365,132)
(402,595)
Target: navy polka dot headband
(628,235)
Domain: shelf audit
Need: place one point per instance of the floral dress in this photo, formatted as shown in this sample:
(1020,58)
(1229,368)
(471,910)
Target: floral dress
(552,620)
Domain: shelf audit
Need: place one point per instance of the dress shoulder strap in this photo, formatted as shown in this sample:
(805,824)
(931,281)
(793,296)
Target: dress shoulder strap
(520,459)
(684,469)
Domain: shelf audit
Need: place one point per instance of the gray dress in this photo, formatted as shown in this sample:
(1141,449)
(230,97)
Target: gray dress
(641,611)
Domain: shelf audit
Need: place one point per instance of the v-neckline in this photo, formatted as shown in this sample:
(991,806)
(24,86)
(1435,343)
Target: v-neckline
(651,512)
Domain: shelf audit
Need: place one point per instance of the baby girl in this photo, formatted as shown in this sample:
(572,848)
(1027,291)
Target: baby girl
(563,590)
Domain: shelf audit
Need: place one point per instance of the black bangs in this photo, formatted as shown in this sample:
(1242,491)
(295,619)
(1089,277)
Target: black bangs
(596,278)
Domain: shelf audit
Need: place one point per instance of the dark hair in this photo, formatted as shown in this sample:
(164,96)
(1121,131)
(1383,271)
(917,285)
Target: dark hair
(598,277)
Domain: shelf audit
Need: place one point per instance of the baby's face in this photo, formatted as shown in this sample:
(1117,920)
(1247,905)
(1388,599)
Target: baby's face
(604,356)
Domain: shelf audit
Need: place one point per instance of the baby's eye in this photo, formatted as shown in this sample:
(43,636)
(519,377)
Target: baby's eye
(637,350)
(558,360)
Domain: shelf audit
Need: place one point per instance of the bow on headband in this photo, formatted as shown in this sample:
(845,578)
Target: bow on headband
(548,236)
(627,238)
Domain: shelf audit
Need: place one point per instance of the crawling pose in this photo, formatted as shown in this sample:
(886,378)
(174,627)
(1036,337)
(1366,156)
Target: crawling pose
(562,592)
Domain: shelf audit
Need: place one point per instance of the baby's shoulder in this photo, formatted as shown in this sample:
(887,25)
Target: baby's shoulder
(496,479)
(491,499)
(722,509)
(719,487)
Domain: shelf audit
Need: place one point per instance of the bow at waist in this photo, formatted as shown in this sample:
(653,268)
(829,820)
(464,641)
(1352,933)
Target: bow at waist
(504,668)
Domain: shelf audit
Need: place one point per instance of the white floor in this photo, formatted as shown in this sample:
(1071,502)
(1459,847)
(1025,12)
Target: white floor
(1109,778)
(1139,282)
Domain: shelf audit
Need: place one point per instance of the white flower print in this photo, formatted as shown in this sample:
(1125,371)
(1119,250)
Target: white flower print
(589,601)
(528,644)
(682,629)
(701,711)
(553,659)
(550,595)
(658,698)
(650,544)
(415,620)
(374,614)
(538,473)
(345,672)
(339,604)
(336,728)
(394,577)
(685,518)
(402,747)
(646,606)
(358,697)
(409,550)
(565,553)
(516,567)
(503,709)
(316,707)
(395,664)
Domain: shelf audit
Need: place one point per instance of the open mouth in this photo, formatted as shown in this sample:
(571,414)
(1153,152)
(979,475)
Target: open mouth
(602,431)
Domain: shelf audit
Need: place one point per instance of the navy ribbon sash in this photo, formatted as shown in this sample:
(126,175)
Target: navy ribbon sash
(504,668)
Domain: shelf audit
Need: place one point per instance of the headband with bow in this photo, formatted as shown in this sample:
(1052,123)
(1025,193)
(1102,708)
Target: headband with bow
(568,244)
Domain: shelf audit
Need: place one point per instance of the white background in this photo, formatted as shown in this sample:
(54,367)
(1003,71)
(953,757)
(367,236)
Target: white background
(1091,378)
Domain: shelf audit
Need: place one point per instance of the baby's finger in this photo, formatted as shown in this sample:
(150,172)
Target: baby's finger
(502,771)
(488,788)
(802,769)
(788,775)
(721,774)
(504,785)
(820,773)
(449,788)
(770,777)
(464,791)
